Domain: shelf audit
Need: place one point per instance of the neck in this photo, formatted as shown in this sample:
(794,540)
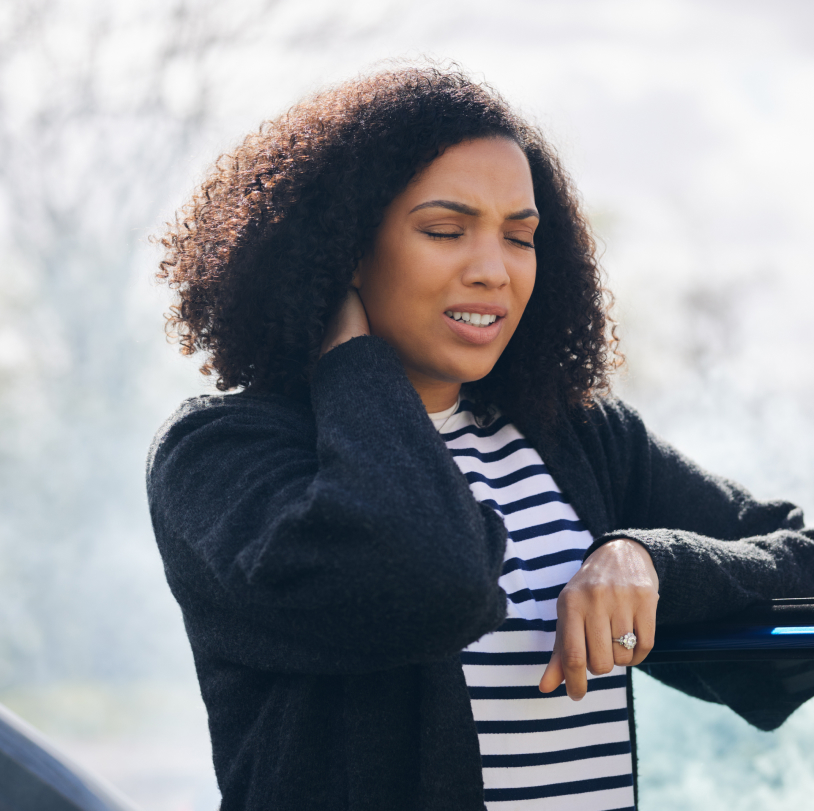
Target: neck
(437,395)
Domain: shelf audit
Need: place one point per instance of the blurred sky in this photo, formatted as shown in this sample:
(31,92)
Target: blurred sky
(687,126)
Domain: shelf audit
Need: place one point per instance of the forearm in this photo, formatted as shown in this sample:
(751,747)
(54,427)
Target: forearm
(356,537)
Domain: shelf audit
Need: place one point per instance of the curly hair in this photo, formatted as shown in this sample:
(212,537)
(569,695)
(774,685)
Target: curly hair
(265,251)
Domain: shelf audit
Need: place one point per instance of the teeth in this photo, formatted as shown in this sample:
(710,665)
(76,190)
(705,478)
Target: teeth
(476,319)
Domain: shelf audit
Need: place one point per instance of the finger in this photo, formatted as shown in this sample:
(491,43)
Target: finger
(554,674)
(352,314)
(619,627)
(355,309)
(574,655)
(598,637)
(349,321)
(645,631)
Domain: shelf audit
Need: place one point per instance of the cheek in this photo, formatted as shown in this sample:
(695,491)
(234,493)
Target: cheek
(523,281)
(529,286)
(408,279)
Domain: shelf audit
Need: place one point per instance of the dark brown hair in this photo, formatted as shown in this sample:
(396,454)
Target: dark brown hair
(265,250)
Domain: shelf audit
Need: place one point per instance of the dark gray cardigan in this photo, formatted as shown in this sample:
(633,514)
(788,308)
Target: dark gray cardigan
(331,562)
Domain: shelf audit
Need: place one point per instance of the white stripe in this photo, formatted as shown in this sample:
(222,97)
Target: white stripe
(515,675)
(543,578)
(595,801)
(522,776)
(529,742)
(529,486)
(515,641)
(524,709)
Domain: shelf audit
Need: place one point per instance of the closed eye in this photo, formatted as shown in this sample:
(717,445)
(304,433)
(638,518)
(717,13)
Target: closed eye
(520,242)
(437,235)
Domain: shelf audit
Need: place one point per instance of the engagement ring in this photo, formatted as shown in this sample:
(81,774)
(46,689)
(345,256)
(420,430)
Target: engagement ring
(627,641)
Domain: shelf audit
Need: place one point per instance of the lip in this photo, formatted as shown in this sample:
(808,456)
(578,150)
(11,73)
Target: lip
(483,309)
(471,334)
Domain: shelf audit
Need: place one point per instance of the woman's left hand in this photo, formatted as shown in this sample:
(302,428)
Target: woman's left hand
(614,593)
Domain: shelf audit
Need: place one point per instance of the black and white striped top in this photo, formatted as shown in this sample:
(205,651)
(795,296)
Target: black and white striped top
(539,752)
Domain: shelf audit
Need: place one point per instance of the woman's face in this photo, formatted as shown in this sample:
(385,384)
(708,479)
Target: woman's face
(453,266)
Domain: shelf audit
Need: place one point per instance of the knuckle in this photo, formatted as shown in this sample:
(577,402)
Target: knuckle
(573,660)
(601,590)
(651,596)
(601,668)
(569,597)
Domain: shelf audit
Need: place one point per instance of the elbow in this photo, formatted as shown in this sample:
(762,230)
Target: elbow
(449,614)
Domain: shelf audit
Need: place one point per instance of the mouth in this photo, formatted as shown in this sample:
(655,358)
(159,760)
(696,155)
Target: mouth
(476,326)
(475,319)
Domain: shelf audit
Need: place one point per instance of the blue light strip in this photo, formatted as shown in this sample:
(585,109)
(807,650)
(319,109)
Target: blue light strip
(808,629)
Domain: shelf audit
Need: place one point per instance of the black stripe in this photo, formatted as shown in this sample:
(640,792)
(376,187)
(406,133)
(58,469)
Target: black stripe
(560,756)
(530,657)
(536,500)
(520,624)
(552,724)
(492,456)
(488,430)
(549,593)
(532,691)
(533,564)
(511,478)
(549,528)
(558,789)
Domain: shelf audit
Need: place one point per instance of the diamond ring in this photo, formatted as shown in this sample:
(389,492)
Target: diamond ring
(627,641)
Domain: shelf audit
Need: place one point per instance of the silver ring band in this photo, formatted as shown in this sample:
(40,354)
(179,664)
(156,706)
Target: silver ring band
(627,640)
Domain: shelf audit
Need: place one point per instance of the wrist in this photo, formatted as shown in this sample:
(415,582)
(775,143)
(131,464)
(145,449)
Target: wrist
(632,549)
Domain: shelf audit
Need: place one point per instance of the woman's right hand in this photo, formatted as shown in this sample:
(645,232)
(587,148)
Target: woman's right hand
(350,321)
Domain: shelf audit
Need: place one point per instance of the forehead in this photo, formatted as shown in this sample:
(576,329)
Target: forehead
(482,172)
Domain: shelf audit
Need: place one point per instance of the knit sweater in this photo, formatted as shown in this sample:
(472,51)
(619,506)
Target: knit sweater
(331,563)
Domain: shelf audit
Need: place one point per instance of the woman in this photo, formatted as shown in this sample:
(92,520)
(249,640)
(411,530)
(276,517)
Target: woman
(397,278)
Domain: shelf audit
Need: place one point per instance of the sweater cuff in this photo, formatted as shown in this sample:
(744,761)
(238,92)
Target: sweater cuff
(366,357)
(364,349)
(361,374)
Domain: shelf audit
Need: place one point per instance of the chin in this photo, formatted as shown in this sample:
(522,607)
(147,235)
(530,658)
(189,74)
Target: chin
(469,374)
(450,368)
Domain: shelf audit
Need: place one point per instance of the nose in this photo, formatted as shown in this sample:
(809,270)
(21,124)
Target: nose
(487,265)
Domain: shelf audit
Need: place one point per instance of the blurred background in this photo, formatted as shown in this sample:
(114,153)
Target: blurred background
(688,126)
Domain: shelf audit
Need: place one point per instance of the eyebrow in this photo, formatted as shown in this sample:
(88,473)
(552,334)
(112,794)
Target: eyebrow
(462,208)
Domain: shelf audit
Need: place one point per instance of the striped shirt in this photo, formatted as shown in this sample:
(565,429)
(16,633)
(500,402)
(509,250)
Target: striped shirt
(539,752)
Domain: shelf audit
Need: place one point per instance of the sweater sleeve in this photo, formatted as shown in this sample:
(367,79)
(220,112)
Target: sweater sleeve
(715,547)
(340,541)
(716,550)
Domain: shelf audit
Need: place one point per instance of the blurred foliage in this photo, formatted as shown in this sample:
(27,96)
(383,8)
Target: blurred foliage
(688,128)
